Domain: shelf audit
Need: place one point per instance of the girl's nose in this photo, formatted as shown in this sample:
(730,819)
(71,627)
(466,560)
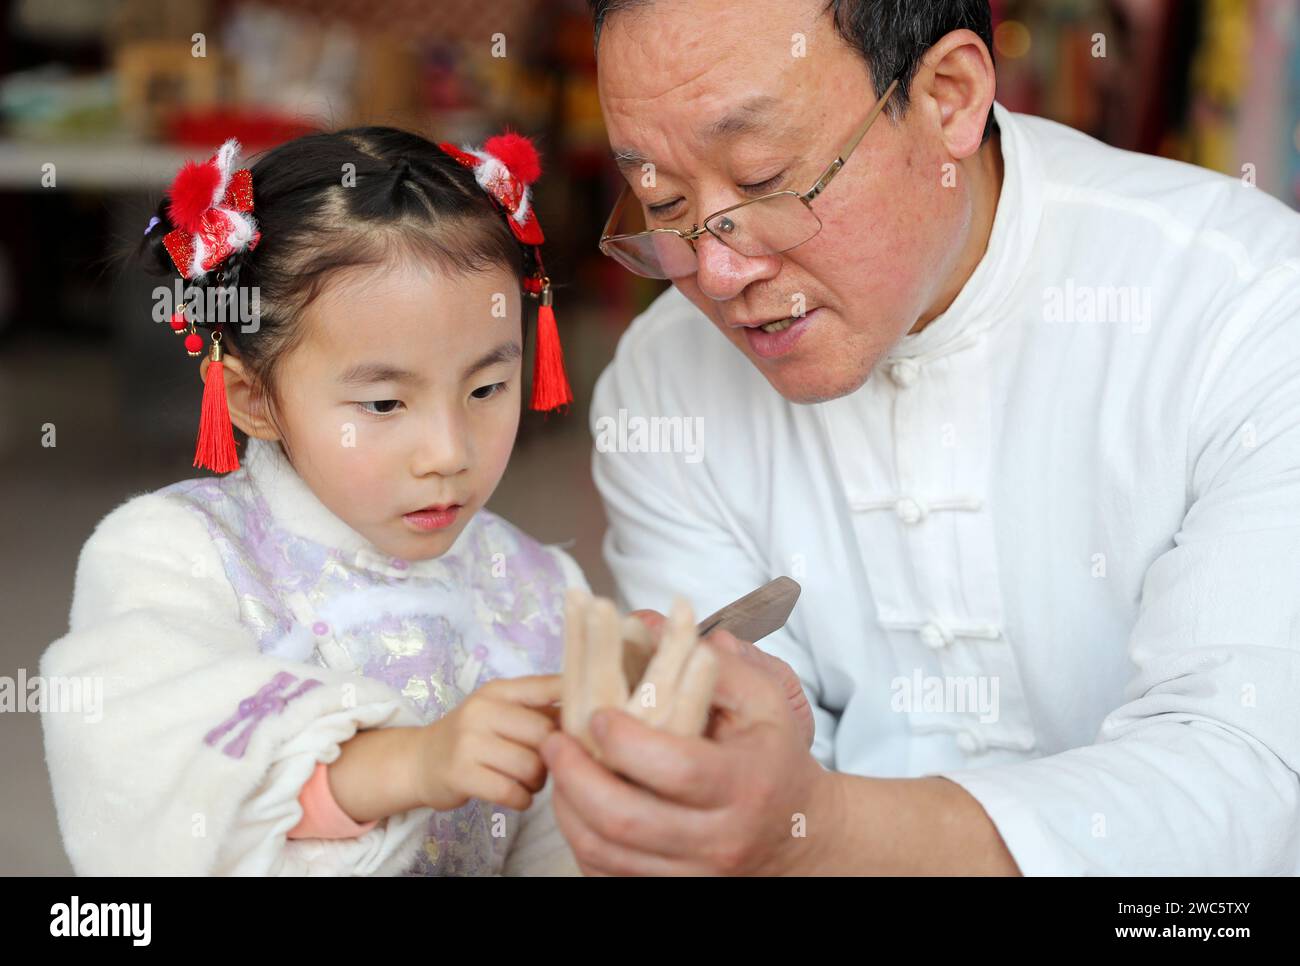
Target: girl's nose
(443,448)
(723,272)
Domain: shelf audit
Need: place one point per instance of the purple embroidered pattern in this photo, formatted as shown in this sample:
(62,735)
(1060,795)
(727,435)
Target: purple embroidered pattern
(253,709)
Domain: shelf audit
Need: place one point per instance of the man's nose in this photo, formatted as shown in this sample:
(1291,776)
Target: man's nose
(723,272)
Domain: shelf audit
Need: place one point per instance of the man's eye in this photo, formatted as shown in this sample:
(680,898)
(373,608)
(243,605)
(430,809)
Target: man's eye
(665,210)
(485,392)
(381,407)
(763,187)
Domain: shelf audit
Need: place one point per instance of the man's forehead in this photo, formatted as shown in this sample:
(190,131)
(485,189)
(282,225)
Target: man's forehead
(664,82)
(764,114)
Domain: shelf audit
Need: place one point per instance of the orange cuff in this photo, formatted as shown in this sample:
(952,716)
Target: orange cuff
(321,816)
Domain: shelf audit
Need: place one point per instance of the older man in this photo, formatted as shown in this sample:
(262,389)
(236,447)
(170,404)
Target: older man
(1020,411)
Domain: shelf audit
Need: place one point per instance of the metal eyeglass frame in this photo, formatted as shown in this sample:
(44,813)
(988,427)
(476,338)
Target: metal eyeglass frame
(806,197)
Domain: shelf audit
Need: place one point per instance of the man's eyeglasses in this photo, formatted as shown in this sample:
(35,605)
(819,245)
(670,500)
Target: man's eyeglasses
(767,225)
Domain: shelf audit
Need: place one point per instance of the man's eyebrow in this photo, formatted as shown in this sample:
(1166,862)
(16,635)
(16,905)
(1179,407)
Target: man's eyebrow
(745,118)
(505,352)
(626,158)
(364,373)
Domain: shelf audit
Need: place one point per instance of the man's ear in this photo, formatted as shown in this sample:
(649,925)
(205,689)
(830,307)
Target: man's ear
(248,407)
(957,82)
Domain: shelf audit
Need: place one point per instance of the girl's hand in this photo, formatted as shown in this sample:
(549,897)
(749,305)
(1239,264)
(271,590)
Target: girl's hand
(487,747)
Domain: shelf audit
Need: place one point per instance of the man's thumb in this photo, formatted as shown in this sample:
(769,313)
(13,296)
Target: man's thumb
(744,691)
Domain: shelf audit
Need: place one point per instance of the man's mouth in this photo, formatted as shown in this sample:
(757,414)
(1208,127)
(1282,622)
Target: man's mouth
(774,338)
(777,325)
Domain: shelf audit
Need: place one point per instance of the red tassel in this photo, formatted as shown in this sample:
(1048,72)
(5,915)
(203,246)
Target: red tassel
(550,383)
(216,446)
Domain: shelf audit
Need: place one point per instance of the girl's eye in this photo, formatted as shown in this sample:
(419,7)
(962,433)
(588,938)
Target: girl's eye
(486,392)
(382,407)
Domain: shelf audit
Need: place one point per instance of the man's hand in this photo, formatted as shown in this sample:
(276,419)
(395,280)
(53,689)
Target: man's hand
(741,800)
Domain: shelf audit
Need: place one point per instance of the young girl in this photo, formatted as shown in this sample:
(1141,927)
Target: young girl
(333,659)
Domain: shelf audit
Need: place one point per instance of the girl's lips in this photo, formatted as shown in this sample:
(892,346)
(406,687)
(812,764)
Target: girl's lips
(772,345)
(433,519)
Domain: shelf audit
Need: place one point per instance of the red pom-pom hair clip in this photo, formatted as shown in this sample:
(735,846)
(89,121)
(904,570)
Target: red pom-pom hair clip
(210,205)
(505,167)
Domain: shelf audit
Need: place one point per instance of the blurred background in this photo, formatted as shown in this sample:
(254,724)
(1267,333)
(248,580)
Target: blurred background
(102,100)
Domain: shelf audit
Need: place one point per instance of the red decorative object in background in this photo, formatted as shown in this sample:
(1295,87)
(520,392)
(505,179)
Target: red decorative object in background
(255,130)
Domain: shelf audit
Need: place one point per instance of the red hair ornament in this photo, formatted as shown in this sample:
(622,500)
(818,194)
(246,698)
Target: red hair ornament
(210,204)
(505,167)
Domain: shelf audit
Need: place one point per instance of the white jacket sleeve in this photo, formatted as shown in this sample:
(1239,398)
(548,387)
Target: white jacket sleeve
(194,763)
(1197,774)
(662,541)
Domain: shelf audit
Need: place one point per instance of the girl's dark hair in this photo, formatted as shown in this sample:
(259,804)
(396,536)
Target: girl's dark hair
(326,202)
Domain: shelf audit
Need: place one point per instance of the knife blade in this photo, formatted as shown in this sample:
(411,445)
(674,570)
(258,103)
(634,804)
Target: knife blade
(757,614)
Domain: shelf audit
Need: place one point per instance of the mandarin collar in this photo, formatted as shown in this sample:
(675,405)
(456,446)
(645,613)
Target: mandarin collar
(297,509)
(985,299)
